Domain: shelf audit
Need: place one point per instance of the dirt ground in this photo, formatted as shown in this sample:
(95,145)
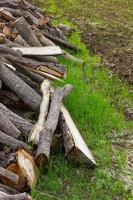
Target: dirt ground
(107,29)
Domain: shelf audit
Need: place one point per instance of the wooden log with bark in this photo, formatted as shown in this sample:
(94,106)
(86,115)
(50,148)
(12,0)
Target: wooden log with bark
(23,125)
(6,174)
(26,32)
(45,140)
(12,142)
(7,126)
(19,87)
(22,196)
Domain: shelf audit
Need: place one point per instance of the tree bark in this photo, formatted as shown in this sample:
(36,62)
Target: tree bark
(26,32)
(7,126)
(60,41)
(7,190)
(22,196)
(39,126)
(43,150)
(6,174)
(5,49)
(12,142)
(19,87)
(23,125)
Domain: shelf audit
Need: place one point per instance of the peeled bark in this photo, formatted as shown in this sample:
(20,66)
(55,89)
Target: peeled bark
(39,126)
(45,140)
(19,87)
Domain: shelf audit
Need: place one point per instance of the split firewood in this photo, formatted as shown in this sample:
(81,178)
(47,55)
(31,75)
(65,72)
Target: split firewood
(19,87)
(28,167)
(75,147)
(53,69)
(23,125)
(44,51)
(7,31)
(22,196)
(8,175)
(45,140)
(39,126)
(12,142)
(7,126)
(26,32)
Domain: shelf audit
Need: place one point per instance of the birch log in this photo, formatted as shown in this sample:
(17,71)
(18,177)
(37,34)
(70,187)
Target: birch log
(45,140)
(39,126)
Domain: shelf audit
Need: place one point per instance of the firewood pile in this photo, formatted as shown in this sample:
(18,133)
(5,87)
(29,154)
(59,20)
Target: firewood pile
(33,119)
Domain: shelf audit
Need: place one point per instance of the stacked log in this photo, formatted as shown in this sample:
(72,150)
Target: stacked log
(29,61)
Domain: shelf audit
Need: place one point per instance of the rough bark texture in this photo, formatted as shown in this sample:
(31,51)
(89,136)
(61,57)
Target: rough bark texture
(7,126)
(43,150)
(4,173)
(26,32)
(5,49)
(22,196)
(7,190)
(19,87)
(23,125)
(12,142)
(60,41)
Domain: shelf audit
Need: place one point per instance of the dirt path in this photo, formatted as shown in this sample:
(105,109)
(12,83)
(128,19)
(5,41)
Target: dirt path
(107,29)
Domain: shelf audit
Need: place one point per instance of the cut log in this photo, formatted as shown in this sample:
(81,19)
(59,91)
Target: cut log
(60,41)
(75,147)
(19,87)
(45,140)
(26,32)
(39,126)
(6,15)
(72,58)
(6,174)
(9,43)
(22,196)
(23,125)
(44,51)
(50,59)
(5,49)
(44,41)
(7,190)
(54,69)
(12,142)
(2,38)
(28,167)
(7,126)
(19,40)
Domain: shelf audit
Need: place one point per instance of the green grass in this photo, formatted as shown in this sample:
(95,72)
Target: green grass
(96,106)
